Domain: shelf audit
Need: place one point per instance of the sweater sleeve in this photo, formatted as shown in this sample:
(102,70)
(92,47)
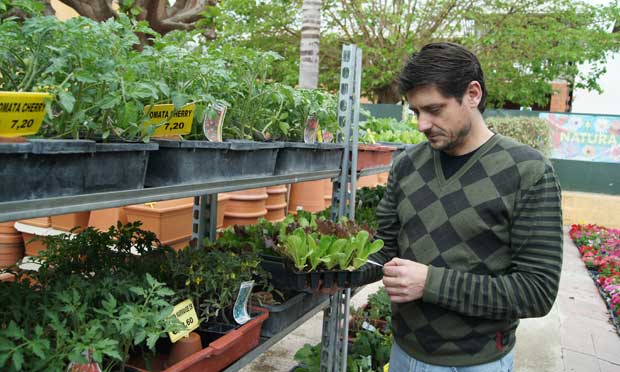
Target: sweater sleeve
(389,227)
(529,287)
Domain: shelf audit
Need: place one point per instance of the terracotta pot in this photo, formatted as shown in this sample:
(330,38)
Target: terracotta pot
(367,181)
(222,204)
(38,222)
(184,348)
(308,196)
(11,248)
(328,185)
(102,219)
(372,156)
(7,227)
(32,248)
(66,222)
(246,207)
(276,204)
(220,353)
(170,220)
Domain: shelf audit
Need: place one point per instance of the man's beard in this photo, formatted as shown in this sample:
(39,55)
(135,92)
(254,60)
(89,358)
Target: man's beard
(460,138)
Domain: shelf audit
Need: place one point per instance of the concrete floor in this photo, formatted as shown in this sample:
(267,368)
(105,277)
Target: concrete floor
(575,336)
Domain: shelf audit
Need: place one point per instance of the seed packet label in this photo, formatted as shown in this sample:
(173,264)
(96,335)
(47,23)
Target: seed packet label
(21,113)
(169,122)
(311,129)
(240,310)
(186,314)
(213,122)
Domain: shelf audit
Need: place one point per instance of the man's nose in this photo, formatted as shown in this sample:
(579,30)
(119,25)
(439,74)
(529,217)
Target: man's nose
(424,122)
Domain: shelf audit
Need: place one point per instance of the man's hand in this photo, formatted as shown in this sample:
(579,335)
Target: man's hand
(404,279)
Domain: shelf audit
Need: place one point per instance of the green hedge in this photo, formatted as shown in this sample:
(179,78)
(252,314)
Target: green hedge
(534,132)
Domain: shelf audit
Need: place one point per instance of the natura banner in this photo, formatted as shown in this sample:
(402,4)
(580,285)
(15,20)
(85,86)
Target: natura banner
(584,137)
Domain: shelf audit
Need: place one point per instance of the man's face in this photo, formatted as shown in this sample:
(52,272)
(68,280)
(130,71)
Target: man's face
(445,122)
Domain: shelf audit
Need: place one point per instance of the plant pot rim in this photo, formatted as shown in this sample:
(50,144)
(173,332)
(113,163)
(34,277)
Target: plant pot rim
(191,144)
(314,146)
(65,146)
(376,147)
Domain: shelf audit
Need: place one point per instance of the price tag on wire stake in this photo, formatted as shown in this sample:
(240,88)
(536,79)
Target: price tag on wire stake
(185,312)
(21,113)
(169,122)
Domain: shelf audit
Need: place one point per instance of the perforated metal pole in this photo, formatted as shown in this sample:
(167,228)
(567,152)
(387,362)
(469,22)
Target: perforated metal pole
(336,317)
(204,218)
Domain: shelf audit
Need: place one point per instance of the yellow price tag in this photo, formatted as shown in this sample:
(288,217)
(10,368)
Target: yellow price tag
(21,113)
(169,122)
(186,314)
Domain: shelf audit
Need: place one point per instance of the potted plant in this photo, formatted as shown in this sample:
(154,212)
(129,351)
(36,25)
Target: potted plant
(87,303)
(93,103)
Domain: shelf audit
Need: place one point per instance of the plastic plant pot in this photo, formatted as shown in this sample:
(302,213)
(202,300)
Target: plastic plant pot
(373,156)
(190,162)
(296,157)
(56,168)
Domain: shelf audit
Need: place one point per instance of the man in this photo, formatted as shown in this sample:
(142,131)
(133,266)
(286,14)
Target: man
(472,226)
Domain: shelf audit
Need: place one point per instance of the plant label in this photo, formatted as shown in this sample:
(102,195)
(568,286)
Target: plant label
(21,113)
(169,122)
(240,310)
(185,312)
(213,121)
(311,129)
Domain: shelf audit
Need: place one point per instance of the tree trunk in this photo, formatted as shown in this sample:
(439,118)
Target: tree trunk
(310,39)
(388,93)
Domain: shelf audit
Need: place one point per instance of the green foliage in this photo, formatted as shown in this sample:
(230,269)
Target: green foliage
(375,130)
(26,8)
(102,87)
(89,254)
(522,46)
(62,320)
(210,277)
(90,295)
(367,200)
(369,352)
(533,132)
(342,246)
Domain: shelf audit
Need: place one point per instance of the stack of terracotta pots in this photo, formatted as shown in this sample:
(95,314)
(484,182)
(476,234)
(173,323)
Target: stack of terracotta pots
(276,203)
(11,245)
(245,207)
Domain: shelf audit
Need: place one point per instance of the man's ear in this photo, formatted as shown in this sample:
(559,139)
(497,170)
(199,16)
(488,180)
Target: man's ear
(473,94)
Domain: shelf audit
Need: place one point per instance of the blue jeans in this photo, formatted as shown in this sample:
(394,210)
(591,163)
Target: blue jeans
(400,361)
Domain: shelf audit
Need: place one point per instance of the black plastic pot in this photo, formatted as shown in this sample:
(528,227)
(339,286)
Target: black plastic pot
(188,162)
(295,157)
(51,168)
(281,316)
(213,331)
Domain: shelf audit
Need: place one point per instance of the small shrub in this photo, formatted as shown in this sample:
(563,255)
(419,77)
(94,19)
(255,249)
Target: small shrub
(533,132)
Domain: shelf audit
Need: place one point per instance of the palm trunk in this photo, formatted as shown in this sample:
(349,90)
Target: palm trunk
(309,50)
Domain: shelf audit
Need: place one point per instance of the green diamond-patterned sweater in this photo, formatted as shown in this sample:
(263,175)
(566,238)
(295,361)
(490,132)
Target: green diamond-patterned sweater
(492,237)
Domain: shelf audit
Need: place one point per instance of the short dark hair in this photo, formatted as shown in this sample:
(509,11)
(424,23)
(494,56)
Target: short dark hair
(447,66)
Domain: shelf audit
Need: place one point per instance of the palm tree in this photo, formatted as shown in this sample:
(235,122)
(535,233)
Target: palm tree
(310,38)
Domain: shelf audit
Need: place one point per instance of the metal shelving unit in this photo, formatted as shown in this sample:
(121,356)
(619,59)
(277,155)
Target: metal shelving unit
(18,210)
(336,316)
(371,171)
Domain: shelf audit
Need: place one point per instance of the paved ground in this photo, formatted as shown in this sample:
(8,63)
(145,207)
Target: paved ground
(575,336)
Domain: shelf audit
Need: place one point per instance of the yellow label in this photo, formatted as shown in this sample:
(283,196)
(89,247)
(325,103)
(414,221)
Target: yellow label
(319,134)
(21,113)
(186,314)
(169,122)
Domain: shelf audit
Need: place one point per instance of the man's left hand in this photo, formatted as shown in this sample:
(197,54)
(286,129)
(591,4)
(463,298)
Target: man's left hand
(404,279)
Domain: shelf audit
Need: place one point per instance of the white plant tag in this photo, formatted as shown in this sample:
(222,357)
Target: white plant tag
(240,310)
(369,327)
